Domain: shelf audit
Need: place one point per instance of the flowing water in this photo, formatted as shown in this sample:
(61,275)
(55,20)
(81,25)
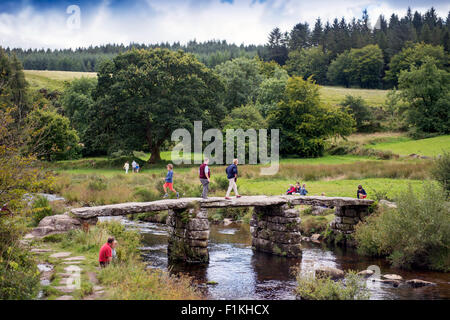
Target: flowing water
(236,272)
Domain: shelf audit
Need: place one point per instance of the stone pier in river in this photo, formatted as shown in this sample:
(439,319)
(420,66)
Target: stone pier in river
(275,224)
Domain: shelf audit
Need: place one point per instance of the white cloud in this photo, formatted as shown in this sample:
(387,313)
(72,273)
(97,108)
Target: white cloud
(244,21)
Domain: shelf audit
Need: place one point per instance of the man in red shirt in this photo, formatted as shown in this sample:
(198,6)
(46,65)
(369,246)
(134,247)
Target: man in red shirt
(105,255)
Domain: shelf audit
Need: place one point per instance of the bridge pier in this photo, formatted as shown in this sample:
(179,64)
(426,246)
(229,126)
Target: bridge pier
(347,217)
(188,235)
(276,230)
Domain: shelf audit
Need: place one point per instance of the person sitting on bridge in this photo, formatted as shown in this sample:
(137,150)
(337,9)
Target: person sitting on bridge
(291,189)
(232,173)
(361,193)
(169,181)
(298,188)
(105,254)
(303,191)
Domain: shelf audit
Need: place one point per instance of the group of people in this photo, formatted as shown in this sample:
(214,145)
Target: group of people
(204,174)
(134,166)
(297,189)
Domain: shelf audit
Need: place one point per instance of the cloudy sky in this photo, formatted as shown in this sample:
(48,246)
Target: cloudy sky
(59,24)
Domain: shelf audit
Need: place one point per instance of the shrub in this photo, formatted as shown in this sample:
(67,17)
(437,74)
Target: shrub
(311,288)
(417,233)
(41,209)
(441,171)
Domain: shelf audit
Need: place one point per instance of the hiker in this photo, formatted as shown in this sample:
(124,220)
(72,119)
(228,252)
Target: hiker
(298,188)
(105,254)
(291,189)
(204,175)
(133,166)
(303,191)
(126,166)
(169,181)
(113,250)
(232,173)
(361,192)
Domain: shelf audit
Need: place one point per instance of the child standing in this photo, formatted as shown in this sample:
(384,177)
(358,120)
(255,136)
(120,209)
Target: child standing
(126,166)
(169,181)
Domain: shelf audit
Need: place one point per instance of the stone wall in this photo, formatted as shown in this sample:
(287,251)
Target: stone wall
(188,235)
(347,217)
(276,230)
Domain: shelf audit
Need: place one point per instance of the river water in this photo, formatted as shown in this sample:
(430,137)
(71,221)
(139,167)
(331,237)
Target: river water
(236,272)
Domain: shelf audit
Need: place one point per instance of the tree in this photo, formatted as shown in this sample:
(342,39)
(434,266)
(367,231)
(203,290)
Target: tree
(366,66)
(363,115)
(277,46)
(245,117)
(143,95)
(427,89)
(339,72)
(52,138)
(304,123)
(300,37)
(270,93)
(19,277)
(242,77)
(311,62)
(79,106)
(415,55)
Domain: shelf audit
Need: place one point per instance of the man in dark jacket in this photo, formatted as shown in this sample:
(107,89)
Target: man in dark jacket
(232,173)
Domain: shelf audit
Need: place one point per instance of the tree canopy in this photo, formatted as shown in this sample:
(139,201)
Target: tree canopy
(143,95)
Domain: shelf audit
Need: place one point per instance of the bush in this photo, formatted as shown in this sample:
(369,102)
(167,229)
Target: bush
(41,209)
(19,277)
(441,171)
(311,288)
(417,233)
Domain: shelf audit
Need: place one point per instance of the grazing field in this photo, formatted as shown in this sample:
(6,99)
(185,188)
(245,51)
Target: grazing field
(335,95)
(406,146)
(53,80)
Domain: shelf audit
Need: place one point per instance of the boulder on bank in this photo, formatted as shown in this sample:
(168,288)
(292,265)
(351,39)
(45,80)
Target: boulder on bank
(395,277)
(366,273)
(388,204)
(55,224)
(417,283)
(316,237)
(333,273)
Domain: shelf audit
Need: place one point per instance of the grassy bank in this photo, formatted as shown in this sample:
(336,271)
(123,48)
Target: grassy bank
(127,278)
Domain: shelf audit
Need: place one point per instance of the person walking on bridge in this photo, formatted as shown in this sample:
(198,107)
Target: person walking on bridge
(205,175)
(232,173)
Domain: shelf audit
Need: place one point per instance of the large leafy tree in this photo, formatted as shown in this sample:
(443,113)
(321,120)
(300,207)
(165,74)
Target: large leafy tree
(143,95)
(427,89)
(312,62)
(242,77)
(305,123)
(414,55)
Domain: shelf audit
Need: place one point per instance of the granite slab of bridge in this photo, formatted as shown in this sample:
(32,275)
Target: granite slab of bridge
(275,223)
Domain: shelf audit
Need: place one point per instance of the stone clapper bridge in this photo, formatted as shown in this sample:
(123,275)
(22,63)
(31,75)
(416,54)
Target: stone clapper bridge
(275,224)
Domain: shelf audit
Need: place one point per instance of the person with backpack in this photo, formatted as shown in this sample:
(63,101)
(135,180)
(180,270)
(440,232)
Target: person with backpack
(205,175)
(232,173)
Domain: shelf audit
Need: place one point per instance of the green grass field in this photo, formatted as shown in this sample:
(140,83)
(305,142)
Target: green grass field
(406,146)
(53,80)
(335,95)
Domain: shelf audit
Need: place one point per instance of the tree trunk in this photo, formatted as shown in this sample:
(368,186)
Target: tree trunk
(155,156)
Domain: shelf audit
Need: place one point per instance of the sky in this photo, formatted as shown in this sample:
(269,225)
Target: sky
(72,24)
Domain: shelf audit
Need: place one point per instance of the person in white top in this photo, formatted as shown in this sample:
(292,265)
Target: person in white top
(133,165)
(126,166)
